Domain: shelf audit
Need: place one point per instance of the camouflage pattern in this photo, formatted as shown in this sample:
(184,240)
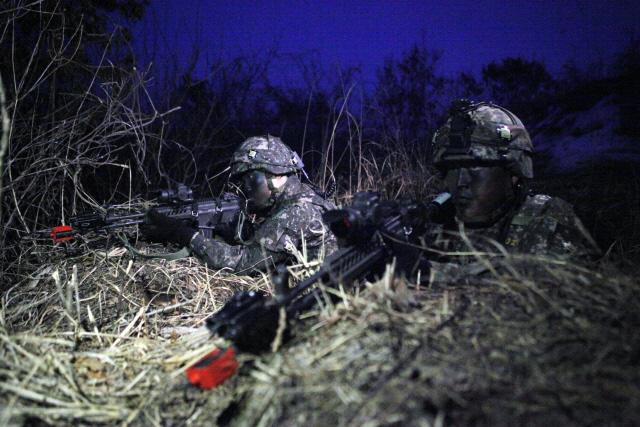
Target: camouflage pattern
(265,153)
(295,218)
(494,134)
(543,225)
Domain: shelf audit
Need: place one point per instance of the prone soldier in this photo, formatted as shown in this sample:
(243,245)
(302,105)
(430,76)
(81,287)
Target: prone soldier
(287,212)
(483,153)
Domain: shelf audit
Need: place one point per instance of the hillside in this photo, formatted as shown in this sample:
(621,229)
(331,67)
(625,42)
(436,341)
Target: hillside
(574,140)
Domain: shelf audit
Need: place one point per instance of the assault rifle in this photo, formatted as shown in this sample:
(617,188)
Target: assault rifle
(371,233)
(215,216)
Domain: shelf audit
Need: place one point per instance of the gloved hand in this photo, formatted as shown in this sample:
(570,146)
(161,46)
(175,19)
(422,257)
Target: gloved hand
(162,229)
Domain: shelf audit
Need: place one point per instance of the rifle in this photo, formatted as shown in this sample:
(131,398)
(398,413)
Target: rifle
(215,216)
(371,232)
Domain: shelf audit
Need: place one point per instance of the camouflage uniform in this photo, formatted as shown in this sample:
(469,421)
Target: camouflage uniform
(542,225)
(486,135)
(293,223)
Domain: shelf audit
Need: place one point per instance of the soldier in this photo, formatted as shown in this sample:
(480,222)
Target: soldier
(483,152)
(288,212)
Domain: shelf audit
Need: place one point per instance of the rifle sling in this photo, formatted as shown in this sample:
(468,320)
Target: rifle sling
(172,256)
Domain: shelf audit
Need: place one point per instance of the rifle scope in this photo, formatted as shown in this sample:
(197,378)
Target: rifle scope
(182,194)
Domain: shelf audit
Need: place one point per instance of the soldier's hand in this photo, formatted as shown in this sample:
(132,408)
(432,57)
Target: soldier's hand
(163,229)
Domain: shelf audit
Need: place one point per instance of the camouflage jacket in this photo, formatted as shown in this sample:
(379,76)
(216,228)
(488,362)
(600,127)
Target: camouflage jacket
(296,218)
(542,225)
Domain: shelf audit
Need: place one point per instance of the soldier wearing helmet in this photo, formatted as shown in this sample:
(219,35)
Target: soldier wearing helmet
(483,152)
(287,212)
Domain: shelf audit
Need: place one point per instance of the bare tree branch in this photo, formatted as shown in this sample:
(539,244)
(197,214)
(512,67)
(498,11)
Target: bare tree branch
(4,139)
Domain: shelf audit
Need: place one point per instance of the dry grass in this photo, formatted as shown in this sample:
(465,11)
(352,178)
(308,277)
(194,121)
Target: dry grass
(89,336)
(100,338)
(537,343)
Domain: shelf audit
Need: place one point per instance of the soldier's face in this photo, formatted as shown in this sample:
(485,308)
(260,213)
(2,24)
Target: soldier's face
(255,189)
(478,191)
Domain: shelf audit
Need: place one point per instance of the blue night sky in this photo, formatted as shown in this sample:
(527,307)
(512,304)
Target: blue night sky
(364,33)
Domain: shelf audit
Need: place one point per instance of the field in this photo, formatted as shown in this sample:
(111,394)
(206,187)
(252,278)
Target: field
(90,335)
(94,337)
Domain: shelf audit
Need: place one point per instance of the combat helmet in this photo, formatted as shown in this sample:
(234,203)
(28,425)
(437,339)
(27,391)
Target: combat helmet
(486,134)
(267,154)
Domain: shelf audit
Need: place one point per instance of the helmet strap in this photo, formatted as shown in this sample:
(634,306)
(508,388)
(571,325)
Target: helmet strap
(506,209)
(494,216)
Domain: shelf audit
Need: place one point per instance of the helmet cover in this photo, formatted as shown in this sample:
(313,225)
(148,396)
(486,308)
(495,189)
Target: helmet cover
(267,154)
(483,133)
